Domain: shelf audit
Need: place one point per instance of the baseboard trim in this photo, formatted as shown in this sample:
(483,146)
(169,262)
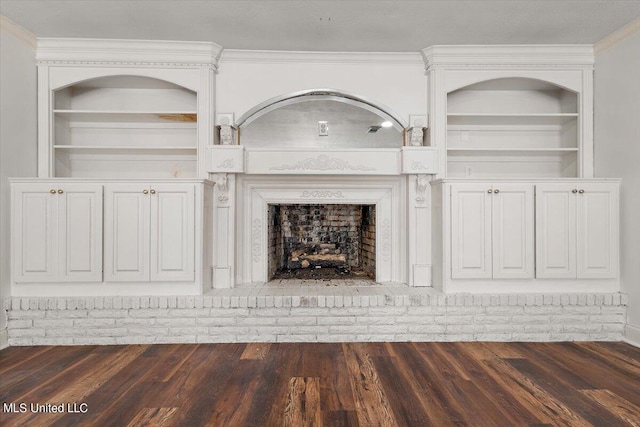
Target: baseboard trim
(4,338)
(632,335)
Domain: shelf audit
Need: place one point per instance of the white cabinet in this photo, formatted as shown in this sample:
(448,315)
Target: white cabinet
(103,115)
(150,232)
(511,111)
(577,230)
(57,232)
(492,231)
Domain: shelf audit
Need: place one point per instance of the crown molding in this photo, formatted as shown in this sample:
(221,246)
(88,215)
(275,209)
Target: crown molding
(139,52)
(279,57)
(18,32)
(618,36)
(508,56)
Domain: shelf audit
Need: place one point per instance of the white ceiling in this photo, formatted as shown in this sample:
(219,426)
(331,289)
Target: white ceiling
(346,25)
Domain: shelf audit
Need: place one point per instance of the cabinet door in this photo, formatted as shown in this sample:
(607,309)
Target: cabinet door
(597,231)
(172,232)
(471,231)
(512,231)
(35,233)
(556,231)
(126,224)
(80,232)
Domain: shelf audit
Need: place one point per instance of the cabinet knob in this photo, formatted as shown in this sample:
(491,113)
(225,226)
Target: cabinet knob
(145,191)
(581,191)
(496,191)
(489,191)
(52,191)
(574,191)
(60,191)
(153,191)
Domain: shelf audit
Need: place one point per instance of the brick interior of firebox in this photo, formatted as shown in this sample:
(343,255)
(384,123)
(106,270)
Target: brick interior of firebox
(322,241)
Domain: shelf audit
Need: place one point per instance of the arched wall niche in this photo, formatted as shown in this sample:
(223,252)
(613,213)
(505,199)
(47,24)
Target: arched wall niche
(295,120)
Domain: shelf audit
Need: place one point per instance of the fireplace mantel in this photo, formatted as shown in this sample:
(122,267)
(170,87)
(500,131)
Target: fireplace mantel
(263,161)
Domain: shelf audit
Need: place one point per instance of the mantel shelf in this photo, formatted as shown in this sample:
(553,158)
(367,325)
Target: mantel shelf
(559,150)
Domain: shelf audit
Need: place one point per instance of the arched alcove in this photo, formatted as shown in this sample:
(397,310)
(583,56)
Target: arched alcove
(320,119)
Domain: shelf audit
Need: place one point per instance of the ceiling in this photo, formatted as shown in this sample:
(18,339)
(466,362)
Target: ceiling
(347,25)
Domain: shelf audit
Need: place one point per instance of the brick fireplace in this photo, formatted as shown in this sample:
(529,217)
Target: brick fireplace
(321,241)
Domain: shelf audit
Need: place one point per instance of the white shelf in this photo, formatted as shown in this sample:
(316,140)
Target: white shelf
(88,149)
(510,119)
(551,150)
(111,116)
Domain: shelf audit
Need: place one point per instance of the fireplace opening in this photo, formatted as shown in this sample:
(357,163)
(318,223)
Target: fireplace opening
(322,242)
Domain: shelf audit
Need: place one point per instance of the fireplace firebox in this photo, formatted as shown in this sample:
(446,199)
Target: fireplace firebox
(321,241)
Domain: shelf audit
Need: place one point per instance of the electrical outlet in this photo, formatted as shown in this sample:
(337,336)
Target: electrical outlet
(467,171)
(323,128)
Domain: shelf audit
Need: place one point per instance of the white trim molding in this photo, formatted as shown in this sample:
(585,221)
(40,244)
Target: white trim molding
(18,32)
(508,56)
(4,338)
(279,57)
(138,52)
(632,334)
(618,36)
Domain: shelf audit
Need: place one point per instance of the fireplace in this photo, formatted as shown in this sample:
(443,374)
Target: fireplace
(321,241)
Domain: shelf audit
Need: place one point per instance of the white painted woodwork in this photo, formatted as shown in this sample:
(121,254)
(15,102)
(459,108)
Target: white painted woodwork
(492,231)
(80,232)
(574,235)
(577,230)
(57,232)
(172,232)
(556,230)
(512,234)
(512,115)
(127,232)
(597,230)
(104,114)
(150,232)
(471,231)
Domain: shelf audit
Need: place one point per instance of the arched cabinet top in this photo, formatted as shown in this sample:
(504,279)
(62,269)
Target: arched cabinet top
(547,80)
(321,119)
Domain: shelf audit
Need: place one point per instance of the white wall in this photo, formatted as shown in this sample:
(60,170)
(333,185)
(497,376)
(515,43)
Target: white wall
(394,80)
(18,128)
(617,148)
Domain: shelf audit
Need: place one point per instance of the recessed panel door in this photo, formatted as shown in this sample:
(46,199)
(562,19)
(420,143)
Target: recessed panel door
(556,231)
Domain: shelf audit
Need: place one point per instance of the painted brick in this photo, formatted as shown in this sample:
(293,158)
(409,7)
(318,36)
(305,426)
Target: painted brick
(297,320)
(83,323)
(135,321)
(202,330)
(30,332)
(20,323)
(336,320)
(504,310)
(175,321)
(348,329)
(109,313)
(94,341)
(216,321)
(388,329)
(297,338)
(53,323)
(308,330)
(26,314)
(148,331)
(381,320)
(427,329)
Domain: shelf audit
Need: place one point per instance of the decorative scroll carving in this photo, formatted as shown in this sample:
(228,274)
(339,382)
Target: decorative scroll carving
(421,188)
(222,182)
(418,166)
(322,163)
(226,135)
(322,194)
(416,136)
(386,240)
(227,164)
(256,240)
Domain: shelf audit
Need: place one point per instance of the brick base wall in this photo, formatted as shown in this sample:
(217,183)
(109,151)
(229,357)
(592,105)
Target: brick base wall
(411,317)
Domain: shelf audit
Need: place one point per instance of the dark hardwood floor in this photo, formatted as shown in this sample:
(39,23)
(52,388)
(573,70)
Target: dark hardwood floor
(358,384)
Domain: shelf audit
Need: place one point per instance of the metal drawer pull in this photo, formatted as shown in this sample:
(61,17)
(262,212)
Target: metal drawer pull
(145,191)
(153,191)
(52,191)
(581,191)
(60,191)
(496,191)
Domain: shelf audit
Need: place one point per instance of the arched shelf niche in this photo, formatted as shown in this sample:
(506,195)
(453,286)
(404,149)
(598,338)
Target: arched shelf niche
(512,127)
(135,126)
(296,120)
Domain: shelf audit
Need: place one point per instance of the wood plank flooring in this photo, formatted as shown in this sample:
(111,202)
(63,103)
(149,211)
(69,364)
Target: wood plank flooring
(353,384)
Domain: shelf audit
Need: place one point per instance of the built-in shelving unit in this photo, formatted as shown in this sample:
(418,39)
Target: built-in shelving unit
(512,127)
(135,126)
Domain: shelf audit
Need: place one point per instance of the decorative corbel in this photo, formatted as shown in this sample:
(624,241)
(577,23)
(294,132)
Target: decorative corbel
(227,128)
(415,132)
(222,183)
(422,182)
